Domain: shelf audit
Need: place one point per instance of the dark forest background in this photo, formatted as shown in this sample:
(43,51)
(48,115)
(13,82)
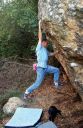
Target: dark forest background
(18,28)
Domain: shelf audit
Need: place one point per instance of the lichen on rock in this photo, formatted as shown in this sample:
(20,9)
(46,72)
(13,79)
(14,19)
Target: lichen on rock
(63,23)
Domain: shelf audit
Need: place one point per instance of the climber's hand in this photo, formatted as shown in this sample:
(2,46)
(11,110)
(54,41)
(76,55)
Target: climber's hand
(57,52)
(53,53)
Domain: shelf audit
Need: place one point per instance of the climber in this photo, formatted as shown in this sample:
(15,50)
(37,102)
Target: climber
(42,68)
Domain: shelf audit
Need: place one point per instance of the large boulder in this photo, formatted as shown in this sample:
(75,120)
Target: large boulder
(63,23)
(12,104)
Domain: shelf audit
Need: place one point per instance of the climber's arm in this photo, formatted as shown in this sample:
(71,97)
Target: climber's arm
(39,46)
(40,33)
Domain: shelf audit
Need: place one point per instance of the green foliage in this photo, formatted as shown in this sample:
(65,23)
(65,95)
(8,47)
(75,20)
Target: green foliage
(18,27)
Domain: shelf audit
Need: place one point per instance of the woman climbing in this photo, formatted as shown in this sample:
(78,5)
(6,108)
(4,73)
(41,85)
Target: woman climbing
(42,65)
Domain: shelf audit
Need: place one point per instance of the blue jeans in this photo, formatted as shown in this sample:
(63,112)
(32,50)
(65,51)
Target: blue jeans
(41,72)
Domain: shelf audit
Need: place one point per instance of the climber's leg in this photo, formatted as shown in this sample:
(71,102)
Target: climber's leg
(56,72)
(39,79)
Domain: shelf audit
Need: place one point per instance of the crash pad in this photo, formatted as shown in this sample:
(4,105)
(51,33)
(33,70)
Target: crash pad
(24,118)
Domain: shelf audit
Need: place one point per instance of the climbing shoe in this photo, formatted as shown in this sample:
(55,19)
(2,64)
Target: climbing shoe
(57,84)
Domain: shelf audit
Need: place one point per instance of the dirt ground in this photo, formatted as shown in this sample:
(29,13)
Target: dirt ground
(65,99)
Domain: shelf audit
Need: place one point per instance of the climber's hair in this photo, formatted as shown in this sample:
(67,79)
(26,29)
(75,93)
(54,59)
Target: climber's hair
(44,40)
(53,112)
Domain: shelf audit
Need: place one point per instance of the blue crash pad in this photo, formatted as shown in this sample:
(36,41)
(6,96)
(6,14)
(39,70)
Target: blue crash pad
(24,118)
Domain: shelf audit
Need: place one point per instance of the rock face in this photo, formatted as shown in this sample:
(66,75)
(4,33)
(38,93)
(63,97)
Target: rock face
(12,104)
(63,23)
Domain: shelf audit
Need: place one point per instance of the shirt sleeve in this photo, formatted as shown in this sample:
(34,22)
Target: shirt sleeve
(39,46)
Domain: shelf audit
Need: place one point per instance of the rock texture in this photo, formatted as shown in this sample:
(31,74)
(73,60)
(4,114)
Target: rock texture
(12,104)
(62,20)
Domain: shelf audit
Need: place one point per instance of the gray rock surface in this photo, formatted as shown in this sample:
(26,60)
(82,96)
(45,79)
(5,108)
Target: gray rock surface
(62,20)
